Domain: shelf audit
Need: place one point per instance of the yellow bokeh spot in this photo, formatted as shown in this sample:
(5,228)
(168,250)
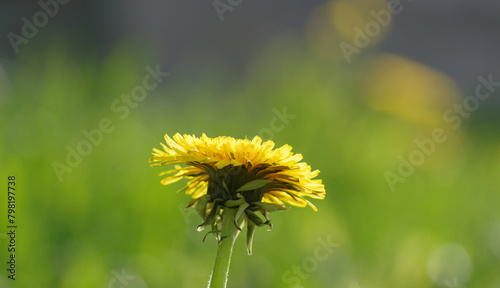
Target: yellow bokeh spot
(343,21)
(345,15)
(349,16)
(408,90)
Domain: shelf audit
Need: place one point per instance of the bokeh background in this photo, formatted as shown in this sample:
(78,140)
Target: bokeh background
(106,221)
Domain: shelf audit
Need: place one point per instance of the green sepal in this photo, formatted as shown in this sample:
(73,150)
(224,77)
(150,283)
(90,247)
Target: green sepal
(209,218)
(255,218)
(250,232)
(253,185)
(234,203)
(271,207)
(258,220)
(240,211)
(201,207)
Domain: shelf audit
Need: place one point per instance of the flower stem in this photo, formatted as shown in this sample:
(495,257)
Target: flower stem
(229,233)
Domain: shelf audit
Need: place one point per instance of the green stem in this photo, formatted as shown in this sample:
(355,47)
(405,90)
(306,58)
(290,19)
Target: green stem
(229,233)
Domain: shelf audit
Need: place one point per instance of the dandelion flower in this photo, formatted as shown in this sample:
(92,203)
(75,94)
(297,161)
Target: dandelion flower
(237,181)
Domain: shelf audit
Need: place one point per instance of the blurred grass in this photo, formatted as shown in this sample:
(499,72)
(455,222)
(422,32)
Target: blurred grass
(111,212)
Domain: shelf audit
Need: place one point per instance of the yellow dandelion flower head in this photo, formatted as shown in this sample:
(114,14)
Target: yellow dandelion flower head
(229,169)
(249,178)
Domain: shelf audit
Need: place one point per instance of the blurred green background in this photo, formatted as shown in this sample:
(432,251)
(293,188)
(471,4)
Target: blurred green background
(108,222)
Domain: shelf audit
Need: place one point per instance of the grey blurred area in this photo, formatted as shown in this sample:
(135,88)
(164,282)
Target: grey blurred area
(458,38)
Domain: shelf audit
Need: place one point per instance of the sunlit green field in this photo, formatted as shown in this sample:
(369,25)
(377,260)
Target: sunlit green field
(92,213)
